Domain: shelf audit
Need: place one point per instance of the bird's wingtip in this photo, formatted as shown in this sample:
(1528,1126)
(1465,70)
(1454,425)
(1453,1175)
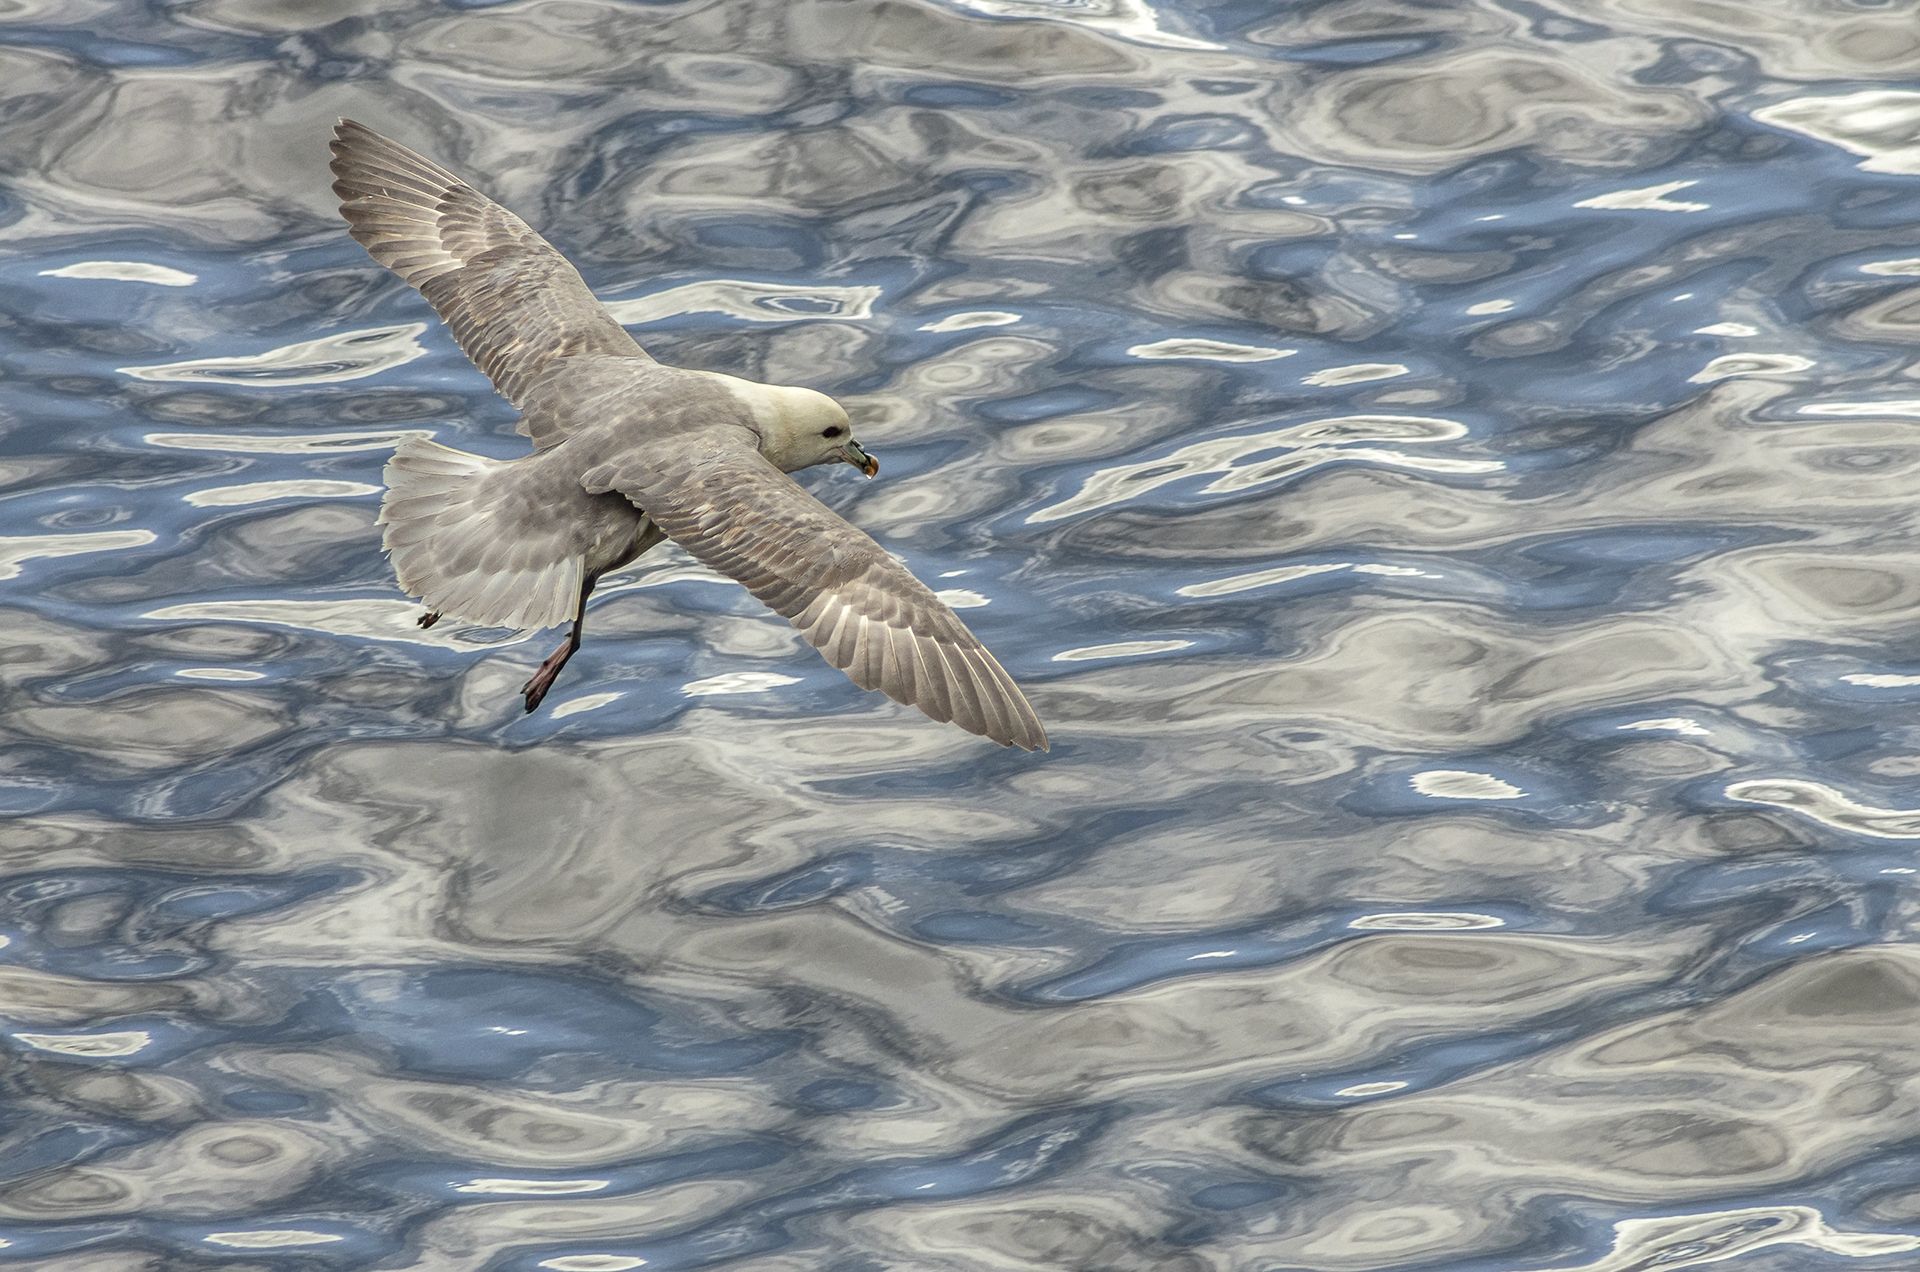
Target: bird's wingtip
(347,131)
(1031,737)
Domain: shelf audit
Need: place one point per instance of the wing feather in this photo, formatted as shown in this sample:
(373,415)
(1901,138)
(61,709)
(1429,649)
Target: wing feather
(513,303)
(718,498)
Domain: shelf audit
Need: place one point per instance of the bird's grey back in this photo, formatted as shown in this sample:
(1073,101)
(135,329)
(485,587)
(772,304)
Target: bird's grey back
(604,403)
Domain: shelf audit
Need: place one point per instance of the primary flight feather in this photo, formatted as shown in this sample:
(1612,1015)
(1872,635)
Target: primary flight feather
(628,452)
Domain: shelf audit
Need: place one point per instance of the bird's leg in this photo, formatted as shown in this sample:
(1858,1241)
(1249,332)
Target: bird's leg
(536,688)
(429,618)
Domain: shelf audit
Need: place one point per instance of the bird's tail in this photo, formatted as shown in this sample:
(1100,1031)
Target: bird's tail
(451,537)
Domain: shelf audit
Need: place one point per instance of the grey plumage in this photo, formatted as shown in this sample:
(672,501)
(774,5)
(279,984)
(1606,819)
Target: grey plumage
(866,614)
(504,544)
(513,303)
(628,452)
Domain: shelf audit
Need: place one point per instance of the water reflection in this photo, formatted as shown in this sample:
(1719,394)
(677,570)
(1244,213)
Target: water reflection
(125,272)
(1445,471)
(1878,124)
(1682,1241)
(16,551)
(1649,199)
(351,355)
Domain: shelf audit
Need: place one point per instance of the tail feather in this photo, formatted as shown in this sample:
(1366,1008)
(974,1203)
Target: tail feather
(453,546)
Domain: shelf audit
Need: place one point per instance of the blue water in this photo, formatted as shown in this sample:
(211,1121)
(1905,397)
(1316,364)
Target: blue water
(1445,474)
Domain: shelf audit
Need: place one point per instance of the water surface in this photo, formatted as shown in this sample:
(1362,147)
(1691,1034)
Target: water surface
(1446,474)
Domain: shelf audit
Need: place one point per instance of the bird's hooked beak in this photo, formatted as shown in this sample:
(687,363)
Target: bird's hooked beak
(866,463)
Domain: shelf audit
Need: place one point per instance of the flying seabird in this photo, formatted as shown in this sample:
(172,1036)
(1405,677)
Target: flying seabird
(627,452)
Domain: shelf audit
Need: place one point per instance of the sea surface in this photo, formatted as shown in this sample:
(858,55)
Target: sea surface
(1448,474)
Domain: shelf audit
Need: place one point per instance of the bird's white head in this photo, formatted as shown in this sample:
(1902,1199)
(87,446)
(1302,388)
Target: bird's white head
(800,428)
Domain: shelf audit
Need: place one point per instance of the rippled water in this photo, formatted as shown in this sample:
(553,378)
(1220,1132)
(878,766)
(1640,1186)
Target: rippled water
(1445,473)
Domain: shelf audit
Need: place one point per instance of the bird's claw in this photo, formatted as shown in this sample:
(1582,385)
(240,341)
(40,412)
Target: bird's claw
(535,693)
(535,690)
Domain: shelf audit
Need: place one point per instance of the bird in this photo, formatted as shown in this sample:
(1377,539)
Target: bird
(627,453)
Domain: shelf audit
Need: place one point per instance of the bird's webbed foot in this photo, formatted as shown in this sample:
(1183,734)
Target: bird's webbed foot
(535,690)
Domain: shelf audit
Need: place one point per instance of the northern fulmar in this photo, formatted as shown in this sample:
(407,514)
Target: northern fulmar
(628,452)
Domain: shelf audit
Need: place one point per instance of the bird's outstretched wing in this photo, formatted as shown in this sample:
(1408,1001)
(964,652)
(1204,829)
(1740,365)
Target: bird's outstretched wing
(514,303)
(718,498)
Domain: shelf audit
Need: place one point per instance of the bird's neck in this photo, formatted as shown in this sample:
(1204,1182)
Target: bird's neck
(786,417)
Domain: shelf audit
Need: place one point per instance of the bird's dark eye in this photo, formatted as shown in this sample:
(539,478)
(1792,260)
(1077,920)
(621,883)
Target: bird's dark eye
(835,431)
